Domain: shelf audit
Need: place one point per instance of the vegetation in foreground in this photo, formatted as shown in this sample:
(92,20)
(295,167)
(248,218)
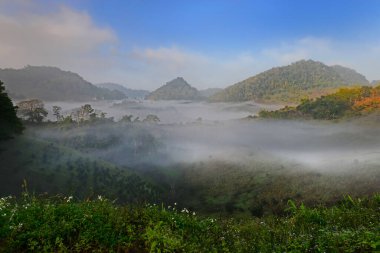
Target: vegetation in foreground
(41,224)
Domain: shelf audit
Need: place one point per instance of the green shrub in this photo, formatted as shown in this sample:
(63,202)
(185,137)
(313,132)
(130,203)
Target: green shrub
(64,225)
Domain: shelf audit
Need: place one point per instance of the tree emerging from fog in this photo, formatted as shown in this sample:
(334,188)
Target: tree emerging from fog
(32,110)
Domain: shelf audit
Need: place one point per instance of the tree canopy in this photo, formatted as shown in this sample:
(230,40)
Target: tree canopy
(32,110)
(10,124)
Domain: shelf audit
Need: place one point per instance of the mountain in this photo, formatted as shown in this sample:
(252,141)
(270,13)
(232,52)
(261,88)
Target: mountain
(209,92)
(291,83)
(176,89)
(375,82)
(130,93)
(52,84)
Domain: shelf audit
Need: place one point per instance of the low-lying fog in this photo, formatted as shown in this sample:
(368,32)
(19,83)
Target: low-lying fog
(222,134)
(307,143)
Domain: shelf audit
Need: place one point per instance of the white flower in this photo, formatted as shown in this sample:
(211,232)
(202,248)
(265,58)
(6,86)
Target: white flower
(193,213)
(69,199)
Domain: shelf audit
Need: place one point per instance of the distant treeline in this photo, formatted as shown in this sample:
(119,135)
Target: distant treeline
(33,111)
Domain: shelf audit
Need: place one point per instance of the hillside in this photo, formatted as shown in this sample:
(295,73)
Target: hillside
(176,89)
(290,83)
(130,93)
(350,76)
(345,103)
(52,84)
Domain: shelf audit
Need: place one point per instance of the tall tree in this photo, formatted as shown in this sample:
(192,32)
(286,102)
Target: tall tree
(32,110)
(57,112)
(10,124)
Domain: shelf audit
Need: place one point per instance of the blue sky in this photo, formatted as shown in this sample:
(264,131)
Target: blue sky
(143,44)
(233,25)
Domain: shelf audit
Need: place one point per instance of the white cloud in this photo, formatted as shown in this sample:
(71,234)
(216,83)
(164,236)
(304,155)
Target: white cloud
(65,38)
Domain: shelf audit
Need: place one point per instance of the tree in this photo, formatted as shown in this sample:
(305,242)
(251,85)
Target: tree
(32,110)
(151,118)
(57,112)
(126,118)
(84,113)
(10,124)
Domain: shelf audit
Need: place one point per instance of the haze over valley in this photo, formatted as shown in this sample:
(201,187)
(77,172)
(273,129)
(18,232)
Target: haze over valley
(207,127)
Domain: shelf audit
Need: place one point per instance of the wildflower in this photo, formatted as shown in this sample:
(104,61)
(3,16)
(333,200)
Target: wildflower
(70,198)
(193,213)
(100,198)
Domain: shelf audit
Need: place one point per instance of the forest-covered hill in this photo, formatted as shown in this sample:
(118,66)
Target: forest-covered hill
(52,84)
(291,83)
(176,89)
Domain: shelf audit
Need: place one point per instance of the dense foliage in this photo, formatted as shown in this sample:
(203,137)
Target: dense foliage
(260,186)
(56,169)
(290,83)
(346,102)
(10,124)
(64,224)
(52,84)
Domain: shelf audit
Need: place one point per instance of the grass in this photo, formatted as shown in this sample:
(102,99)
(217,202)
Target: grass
(56,224)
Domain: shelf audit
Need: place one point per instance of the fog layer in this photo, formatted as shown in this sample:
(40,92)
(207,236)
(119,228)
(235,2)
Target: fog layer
(193,132)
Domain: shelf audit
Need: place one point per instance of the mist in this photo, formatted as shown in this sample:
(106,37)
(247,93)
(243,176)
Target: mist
(191,132)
